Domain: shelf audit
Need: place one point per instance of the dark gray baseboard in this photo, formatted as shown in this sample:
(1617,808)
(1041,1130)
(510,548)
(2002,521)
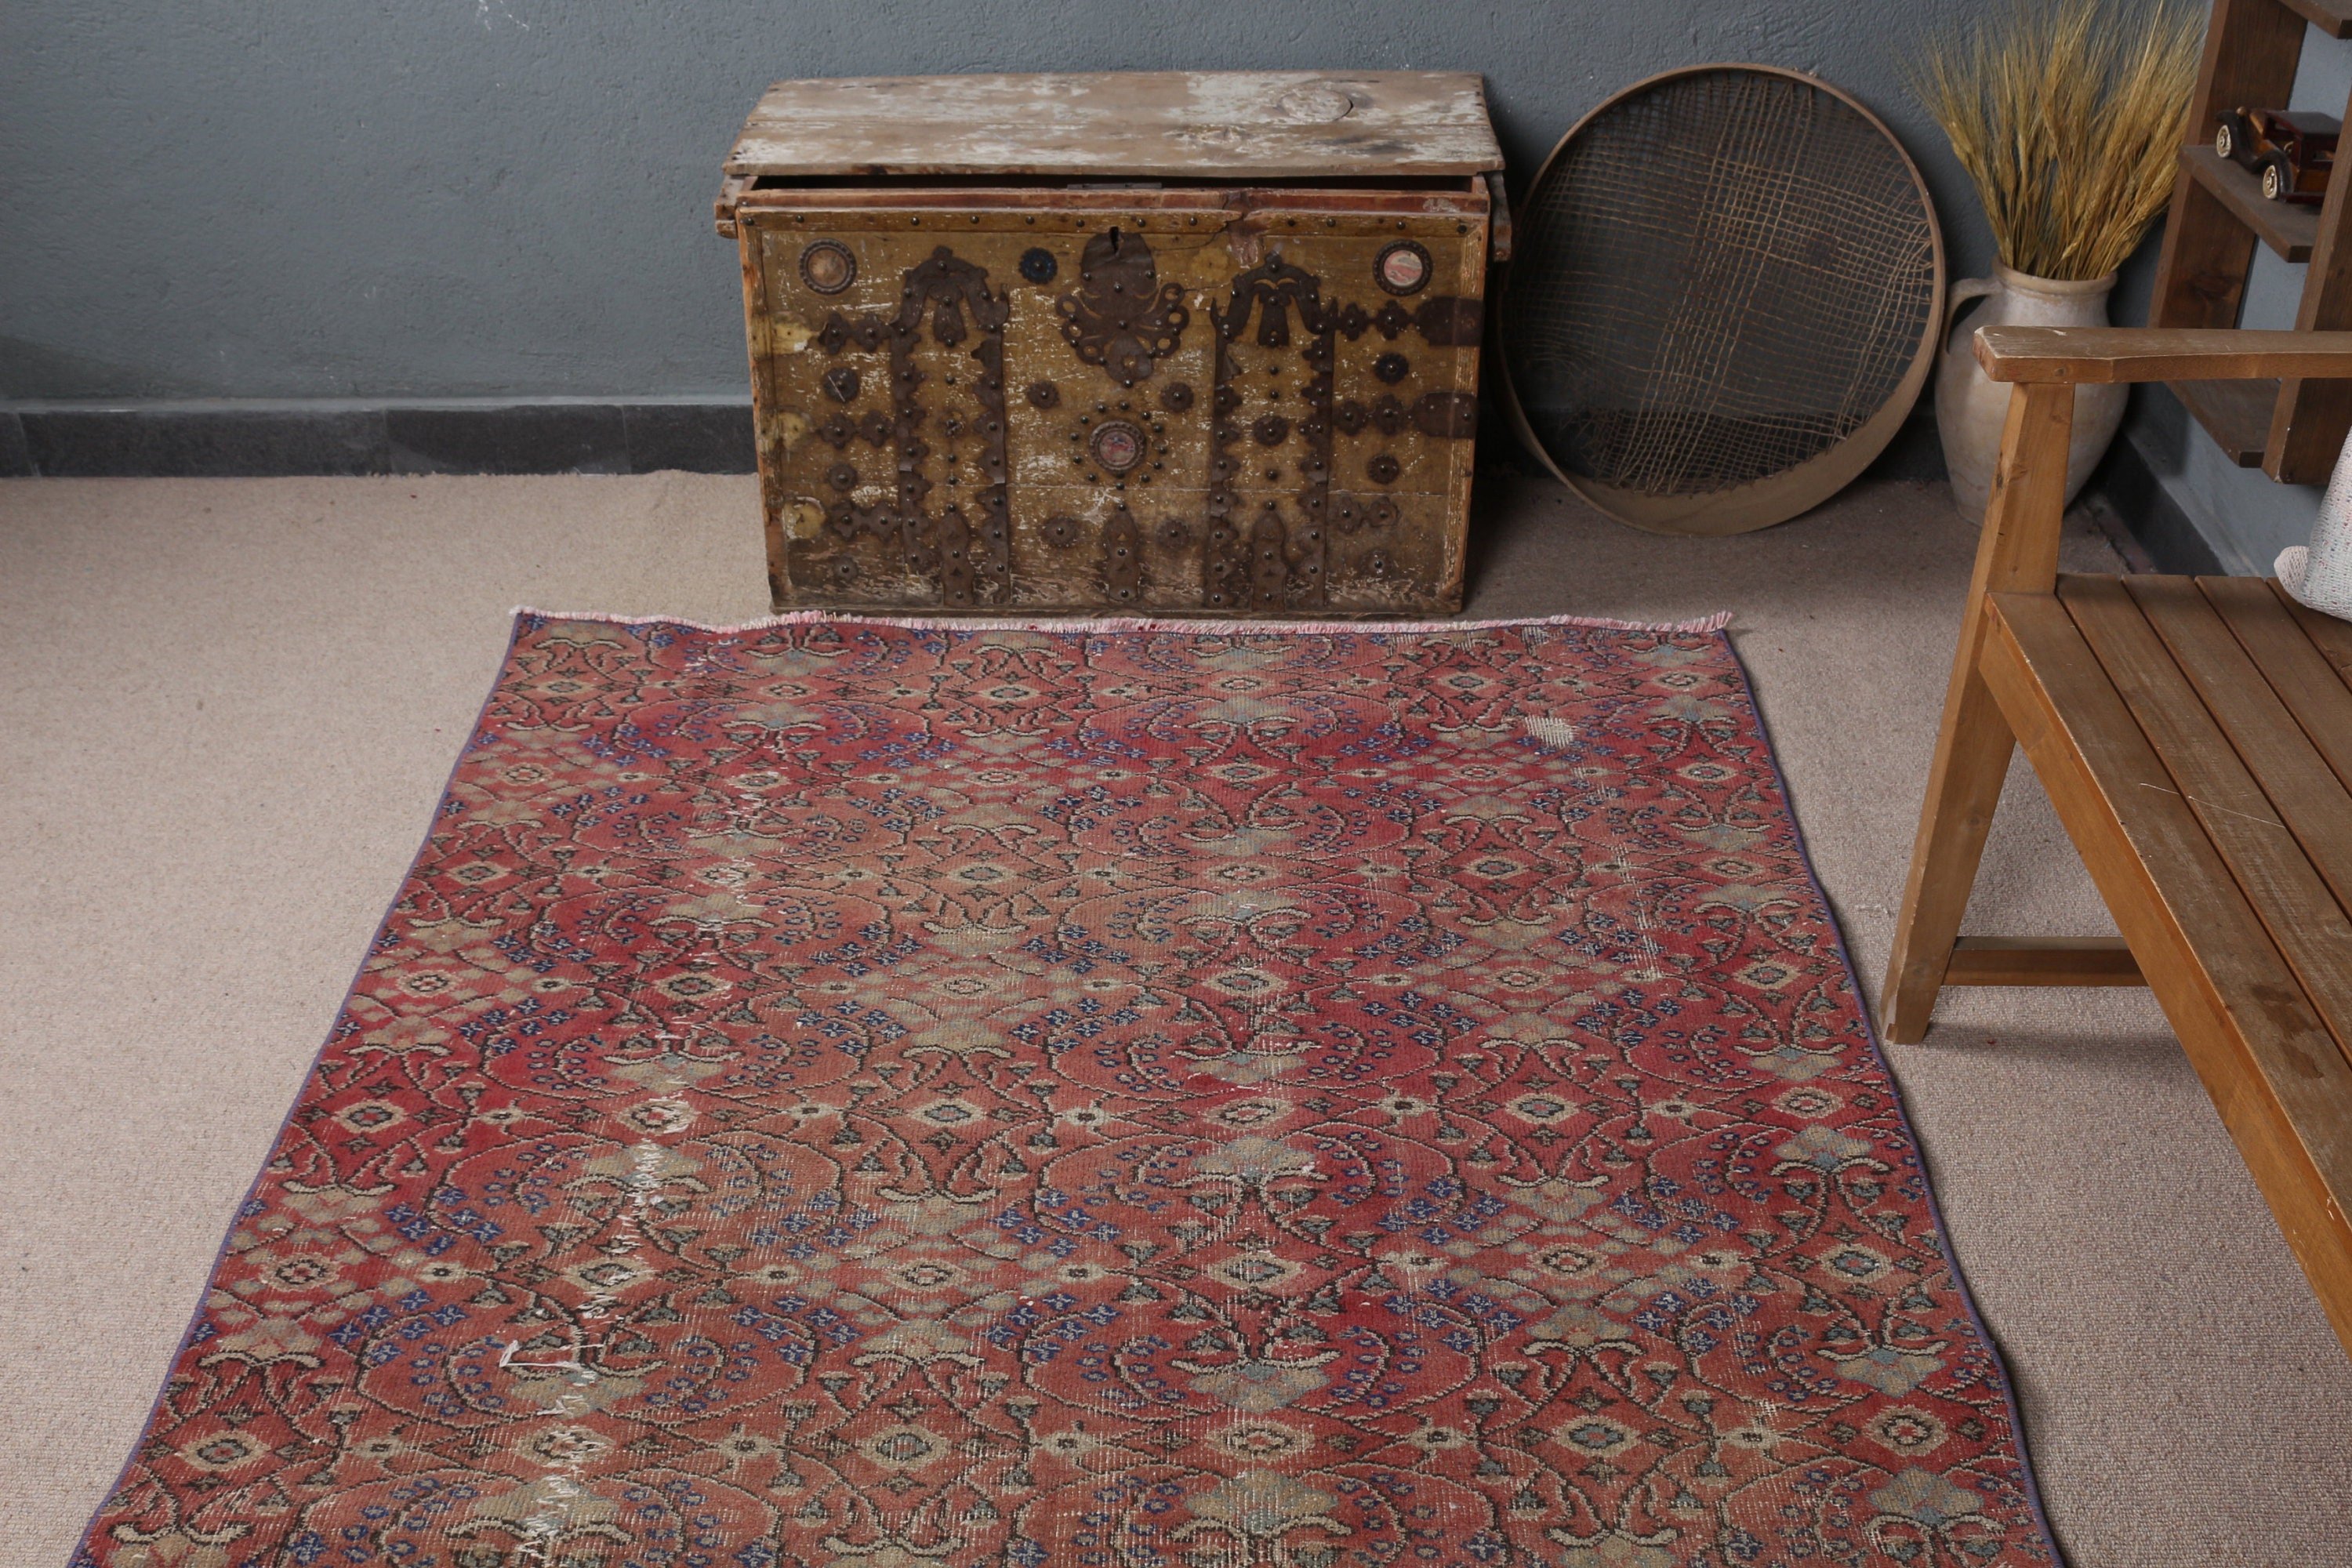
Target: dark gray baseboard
(233,440)
(1916,452)
(2148,529)
(263,440)
(16,461)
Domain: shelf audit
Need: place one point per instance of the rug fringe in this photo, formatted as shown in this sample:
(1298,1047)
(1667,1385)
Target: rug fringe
(1203,627)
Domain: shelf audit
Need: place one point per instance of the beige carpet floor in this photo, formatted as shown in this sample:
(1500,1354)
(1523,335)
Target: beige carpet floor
(226,707)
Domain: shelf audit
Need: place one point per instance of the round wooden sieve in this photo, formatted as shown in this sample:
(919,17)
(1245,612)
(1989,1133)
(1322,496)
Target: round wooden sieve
(1724,299)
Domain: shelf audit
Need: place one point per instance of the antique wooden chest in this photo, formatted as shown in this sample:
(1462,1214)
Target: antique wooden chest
(1180,342)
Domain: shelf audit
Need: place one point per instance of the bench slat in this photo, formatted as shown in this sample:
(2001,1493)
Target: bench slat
(2272,1069)
(2288,894)
(2297,671)
(2331,636)
(2290,771)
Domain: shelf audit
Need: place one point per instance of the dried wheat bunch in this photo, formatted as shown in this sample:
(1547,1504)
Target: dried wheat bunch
(2067,117)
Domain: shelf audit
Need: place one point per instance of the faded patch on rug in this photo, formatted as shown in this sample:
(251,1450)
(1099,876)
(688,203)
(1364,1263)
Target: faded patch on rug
(848,1095)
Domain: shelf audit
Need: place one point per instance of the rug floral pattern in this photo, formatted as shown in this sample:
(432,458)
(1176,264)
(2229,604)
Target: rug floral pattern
(839,1095)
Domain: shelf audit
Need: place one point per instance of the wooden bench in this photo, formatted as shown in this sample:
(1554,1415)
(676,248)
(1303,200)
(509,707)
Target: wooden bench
(2195,735)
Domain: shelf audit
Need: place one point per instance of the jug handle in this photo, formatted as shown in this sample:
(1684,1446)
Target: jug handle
(1959,294)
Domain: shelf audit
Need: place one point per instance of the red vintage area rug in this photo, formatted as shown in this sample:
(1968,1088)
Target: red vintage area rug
(849,1095)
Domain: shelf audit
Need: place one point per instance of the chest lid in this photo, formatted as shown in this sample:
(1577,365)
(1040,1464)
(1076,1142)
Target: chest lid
(1209,125)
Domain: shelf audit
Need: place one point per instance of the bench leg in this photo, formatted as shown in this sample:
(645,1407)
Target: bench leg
(2018,553)
(1963,788)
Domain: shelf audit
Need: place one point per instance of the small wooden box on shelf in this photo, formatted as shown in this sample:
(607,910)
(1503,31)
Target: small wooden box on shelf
(2290,429)
(1185,342)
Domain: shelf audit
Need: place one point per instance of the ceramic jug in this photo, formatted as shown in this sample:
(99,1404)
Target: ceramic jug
(2320,576)
(1971,409)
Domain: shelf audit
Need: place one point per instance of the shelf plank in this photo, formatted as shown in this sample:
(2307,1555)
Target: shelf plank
(2236,414)
(2288,227)
(2332,17)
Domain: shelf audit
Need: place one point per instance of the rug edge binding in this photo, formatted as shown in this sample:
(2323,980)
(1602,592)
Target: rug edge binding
(1718,621)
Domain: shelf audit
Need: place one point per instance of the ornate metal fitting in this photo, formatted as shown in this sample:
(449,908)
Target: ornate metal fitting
(1446,415)
(1351,514)
(1176,396)
(836,432)
(1118,444)
(1402,267)
(1120,316)
(1269,558)
(1044,395)
(1393,319)
(1450,321)
(1038,265)
(1353,321)
(1349,417)
(846,520)
(965,548)
(842,383)
(842,477)
(1271,430)
(1388,414)
(1384,469)
(1122,557)
(827,266)
(1272,289)
(950,283)
(1061,531)
(1391,368)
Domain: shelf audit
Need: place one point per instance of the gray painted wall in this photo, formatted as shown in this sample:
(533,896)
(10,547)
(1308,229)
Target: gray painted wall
(445,198)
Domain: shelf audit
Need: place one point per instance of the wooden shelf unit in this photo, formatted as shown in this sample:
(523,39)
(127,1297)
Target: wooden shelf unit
(2292,429)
